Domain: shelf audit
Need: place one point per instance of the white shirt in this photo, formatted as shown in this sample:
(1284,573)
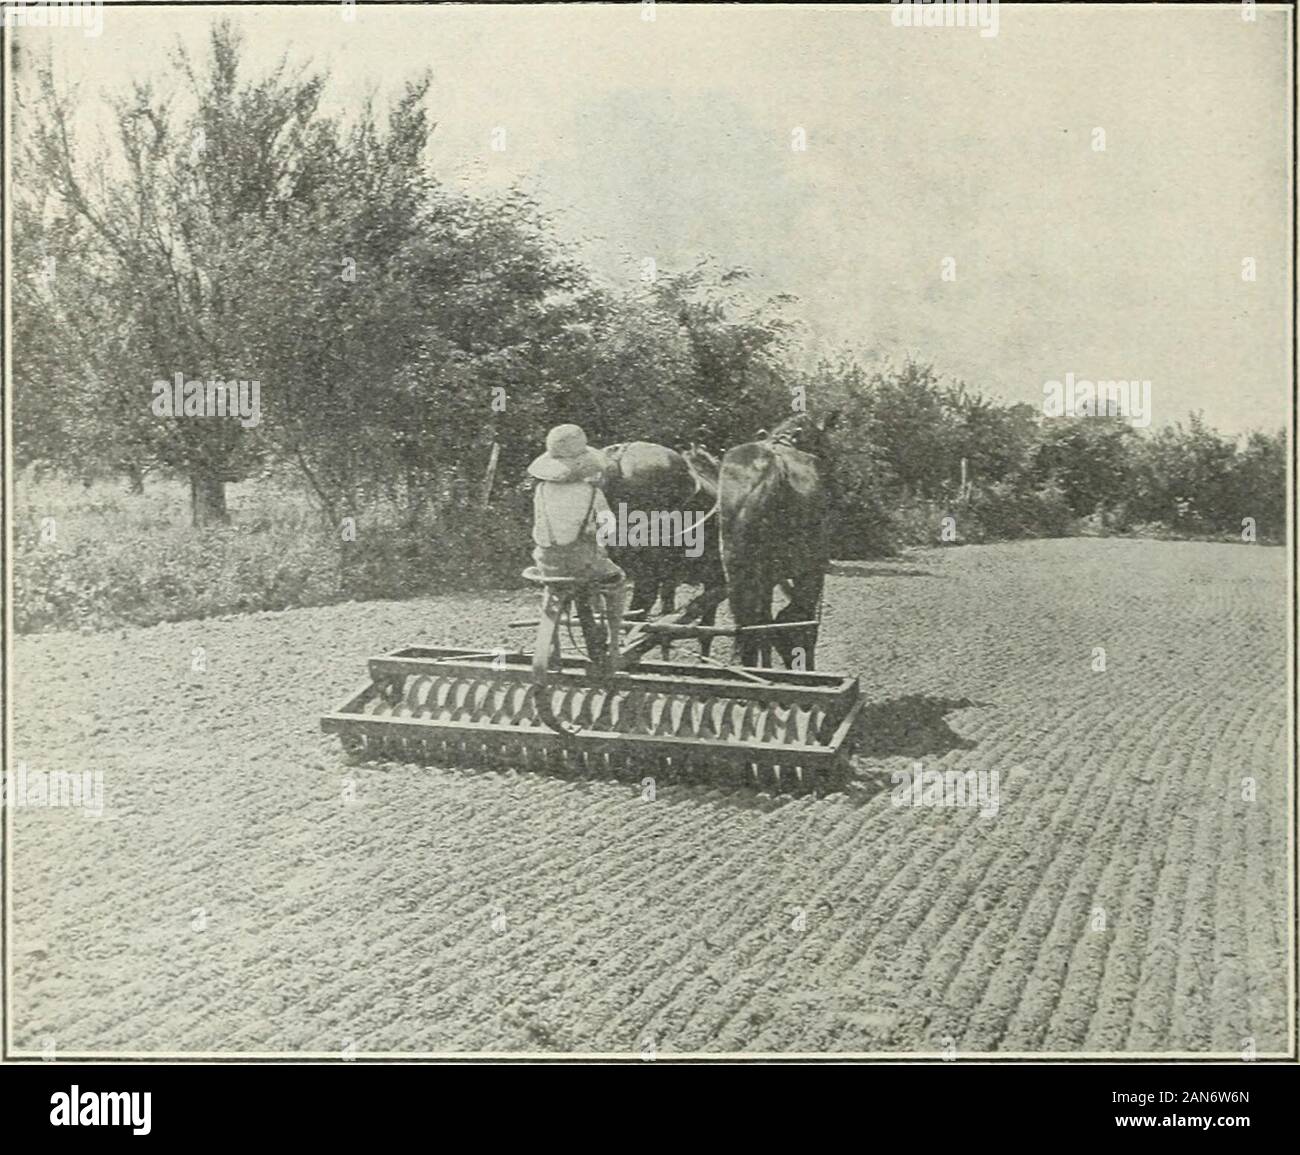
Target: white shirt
(560,508)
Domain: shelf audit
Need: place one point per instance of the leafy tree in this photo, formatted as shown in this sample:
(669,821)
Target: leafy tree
(996,440)
(1089,458)
(1257,485)
(254,237)
(176,223)
(1182,475)
(739,380)
(913,427)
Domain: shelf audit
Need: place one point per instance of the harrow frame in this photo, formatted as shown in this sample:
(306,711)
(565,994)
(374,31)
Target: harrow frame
(454,705)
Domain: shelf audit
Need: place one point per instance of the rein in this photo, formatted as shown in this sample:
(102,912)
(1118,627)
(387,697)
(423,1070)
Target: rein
(708,515)
(677,540)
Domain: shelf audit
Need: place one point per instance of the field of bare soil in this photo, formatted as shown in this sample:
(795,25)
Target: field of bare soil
(247,890)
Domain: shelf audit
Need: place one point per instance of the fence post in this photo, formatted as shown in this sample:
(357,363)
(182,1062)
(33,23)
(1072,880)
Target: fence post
(489,476)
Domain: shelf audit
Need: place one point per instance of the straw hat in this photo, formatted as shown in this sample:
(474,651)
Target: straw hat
(568,457)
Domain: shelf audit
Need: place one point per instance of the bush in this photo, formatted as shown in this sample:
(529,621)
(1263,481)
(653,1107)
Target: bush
(917,522)
(995,512)
(1004,512)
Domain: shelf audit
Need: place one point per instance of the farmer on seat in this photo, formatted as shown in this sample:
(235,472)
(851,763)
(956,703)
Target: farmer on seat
(568,505)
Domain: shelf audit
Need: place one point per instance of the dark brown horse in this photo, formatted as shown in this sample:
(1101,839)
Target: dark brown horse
(775,513)
(677,502)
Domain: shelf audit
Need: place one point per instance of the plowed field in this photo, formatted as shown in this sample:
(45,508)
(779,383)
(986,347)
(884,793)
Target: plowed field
(245,889)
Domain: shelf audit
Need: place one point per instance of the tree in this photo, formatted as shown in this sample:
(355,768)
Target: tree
(913,428)
(1257,485)
(174,230)
(996,440)
(245,234)
(738,379)
(1089,458)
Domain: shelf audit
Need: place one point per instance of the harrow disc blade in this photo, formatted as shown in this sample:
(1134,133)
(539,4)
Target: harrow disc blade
(781,729)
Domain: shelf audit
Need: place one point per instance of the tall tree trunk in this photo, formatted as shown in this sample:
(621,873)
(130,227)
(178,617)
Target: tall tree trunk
(207,497)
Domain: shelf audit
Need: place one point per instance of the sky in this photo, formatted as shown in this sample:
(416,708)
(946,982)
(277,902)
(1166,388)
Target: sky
(926,148)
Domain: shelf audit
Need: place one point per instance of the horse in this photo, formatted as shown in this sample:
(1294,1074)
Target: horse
(775,512)
(677,501)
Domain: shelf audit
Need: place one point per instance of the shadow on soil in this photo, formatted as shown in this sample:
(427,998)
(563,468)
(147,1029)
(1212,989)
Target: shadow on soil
(912,727)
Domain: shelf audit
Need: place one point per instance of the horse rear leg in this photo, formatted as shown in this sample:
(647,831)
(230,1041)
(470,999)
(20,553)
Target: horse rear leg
(752,607)
(708,616)
(667,605)
(714,592)
(764,641)
(798,649)
(644,593)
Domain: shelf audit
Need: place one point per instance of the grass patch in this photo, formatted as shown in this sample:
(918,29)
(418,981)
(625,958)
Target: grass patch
(96,557)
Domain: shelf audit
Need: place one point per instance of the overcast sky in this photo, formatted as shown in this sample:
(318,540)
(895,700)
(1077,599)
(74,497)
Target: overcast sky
(673,138)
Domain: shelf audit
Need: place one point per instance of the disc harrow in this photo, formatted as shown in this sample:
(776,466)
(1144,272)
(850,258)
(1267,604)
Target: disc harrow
(455,706)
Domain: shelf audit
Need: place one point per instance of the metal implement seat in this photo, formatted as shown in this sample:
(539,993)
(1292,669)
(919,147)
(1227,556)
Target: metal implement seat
(563,598)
